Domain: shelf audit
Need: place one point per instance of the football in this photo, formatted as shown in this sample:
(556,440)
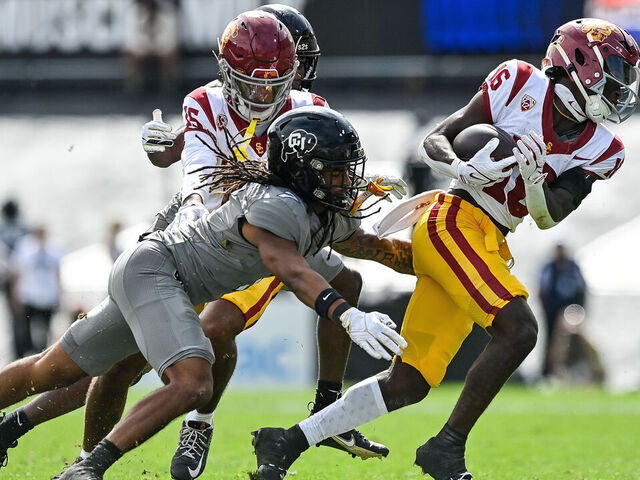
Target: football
(473,138)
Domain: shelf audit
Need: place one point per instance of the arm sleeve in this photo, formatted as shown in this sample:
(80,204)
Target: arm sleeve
(608,162)
(576,182)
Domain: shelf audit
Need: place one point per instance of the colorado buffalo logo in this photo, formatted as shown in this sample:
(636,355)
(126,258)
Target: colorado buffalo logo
(527,103)
(297,144)
(598,31)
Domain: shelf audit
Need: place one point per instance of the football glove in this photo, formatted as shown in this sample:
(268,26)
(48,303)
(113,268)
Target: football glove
(189,212)
(379,186)
(157,135)
(481,170)
(531,155)
(386,184)
(372,332)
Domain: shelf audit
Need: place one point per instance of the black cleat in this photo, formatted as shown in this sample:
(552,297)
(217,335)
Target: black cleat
(5,443)
(442,462)
(193,448)
(78,471)
(274,454)
(356,444)
(64,469)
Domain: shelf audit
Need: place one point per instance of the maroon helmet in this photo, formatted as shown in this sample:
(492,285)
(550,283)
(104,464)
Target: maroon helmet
(257,60)
(602,60)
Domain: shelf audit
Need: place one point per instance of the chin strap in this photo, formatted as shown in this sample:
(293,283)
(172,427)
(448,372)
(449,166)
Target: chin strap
(596,109)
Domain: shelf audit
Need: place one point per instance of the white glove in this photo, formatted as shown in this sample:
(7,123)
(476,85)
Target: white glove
(389,184)
(481,170)
(188,212)
(371,331)
(157,135)
(531,155)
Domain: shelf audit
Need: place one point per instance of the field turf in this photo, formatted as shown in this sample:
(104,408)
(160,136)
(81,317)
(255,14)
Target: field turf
(567,434)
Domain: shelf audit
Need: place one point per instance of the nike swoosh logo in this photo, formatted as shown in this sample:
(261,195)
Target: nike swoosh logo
(326,296)
(196,472)
(347,443)
(18,420)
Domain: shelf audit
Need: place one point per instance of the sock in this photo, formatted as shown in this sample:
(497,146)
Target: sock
(195,416)
(13,426)
(360,404)
(84,454)
(296,438)
(102,457)
(450,436)
(326,393)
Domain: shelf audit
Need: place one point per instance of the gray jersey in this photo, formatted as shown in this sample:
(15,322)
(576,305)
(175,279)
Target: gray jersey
(212,256)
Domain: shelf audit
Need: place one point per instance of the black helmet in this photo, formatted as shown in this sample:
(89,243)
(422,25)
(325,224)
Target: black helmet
(305,143)
(307,47)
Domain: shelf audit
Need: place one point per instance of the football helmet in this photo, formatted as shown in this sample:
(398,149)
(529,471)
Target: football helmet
(316,152)
(257,60)
(307,47)
(602,59)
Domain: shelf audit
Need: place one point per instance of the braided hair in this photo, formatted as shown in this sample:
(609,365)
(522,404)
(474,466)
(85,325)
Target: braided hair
(232,173)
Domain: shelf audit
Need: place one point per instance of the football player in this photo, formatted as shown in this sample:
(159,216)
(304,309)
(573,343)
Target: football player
(557,114)
(216,109)
(278,217)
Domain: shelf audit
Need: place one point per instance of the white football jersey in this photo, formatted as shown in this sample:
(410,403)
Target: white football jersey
(518,98)
(206,113)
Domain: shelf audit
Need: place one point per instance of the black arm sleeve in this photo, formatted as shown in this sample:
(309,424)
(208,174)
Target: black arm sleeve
(576,182)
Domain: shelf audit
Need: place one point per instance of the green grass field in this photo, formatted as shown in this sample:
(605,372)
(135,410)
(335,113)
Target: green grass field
(525,435)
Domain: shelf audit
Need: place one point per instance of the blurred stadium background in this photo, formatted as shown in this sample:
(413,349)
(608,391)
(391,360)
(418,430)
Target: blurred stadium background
(71,155)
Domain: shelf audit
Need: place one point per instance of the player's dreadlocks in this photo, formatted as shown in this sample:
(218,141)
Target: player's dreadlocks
(233,173)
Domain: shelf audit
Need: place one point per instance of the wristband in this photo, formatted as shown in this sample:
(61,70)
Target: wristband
(339,310)
(325,300)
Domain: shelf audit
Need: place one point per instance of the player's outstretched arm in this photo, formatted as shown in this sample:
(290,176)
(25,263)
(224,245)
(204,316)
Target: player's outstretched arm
(390,252)
(372,331)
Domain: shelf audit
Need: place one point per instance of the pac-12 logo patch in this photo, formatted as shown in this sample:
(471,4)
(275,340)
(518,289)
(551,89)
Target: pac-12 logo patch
(527,103)
(297,144)
(221,120)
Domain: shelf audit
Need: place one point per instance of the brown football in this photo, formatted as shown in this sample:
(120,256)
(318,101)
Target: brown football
(473,138)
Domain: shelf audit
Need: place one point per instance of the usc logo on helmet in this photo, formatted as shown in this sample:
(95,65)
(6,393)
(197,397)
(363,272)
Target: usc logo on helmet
(230,32)
(598,31)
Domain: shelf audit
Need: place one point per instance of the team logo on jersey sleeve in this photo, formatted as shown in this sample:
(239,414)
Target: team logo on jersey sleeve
(598,31)
(527,102)
(298,143)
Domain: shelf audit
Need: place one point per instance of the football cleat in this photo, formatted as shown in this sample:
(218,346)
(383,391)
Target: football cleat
(356,444)
(78,471)
(353,442)
(274,454)
(193,449)
(5,443)
(64,469)
(442,462)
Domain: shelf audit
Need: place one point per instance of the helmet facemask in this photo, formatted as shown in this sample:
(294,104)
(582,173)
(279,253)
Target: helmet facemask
(338,183)
(306,72)
(258,96)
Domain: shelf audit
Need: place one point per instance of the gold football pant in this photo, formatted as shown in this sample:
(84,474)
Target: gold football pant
(460,259)
(253,300)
